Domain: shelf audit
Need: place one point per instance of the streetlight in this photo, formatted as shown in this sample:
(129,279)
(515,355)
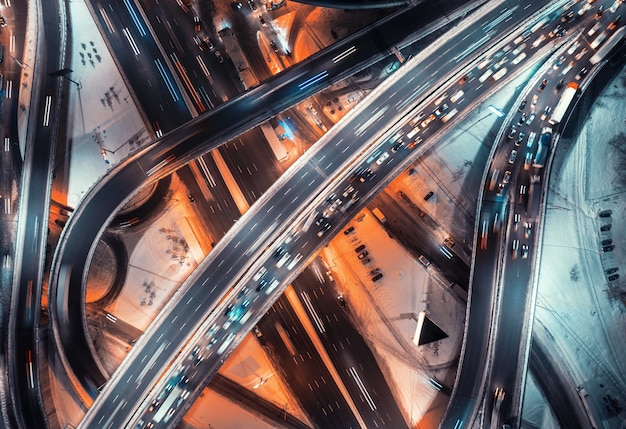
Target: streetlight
(63,73)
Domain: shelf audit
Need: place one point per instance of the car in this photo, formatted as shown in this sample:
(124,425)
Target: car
(522,105)
(262,21)
(440,110)
(521,120)
(464,79)
(528,160)
(342,301)
(557,31)
(428,120)
(252,5)
(199,43)
(512,133)
(606,249)
(516,220)
(243,292)
(613,277)
(524,251)
(335,204)
(348,230)
(538,41)
(594,29)
(424,261)
(542,85)
(349,189)
(274,46)
(363,254)
(582,73)
(606,227)
(262,285)
(558,63)
(280,251)
(515,249)
(323,229)
(367,175)
(611,270)
(545,113)
(531,118)
(566,16)
(413,122)
(219,56)
(612,26)
(573,48)
(396,147)
(320,220)
(598,14)
(512,156)
(520,138)
(359,248)
(382,158)
(3,21)
(534,101)
(559,85)
(374,271)
(581,54)
(605,213)
(607,242)
(197,25)
(377,277)
(449,242)
(197,360)
(527,229)
(429,195)
(507,177)
(236,5)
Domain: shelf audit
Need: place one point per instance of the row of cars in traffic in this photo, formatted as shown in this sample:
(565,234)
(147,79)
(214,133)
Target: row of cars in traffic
(606,243)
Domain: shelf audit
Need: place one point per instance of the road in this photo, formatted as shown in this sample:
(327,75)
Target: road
(184,144)
(314,168)
(523,196)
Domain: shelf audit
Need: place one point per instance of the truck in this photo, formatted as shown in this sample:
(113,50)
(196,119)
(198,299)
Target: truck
(564,103)
(379,215)
(543,147)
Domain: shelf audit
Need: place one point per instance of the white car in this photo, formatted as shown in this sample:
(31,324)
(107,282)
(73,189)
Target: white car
(382,158)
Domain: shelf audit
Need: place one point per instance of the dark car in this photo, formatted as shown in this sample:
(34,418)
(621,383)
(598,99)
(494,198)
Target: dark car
(522,105)
(542,85)
(559,85)
(342,301)
(429,195)
(262,285)
(582,73)
(606,227)
(363,254)
(359,248)
(236,5)
(274,46)
(606,249)
(613,277)
(611,271)
(377,277)
(374,271)
(605,213)
(607,242)
(348,230)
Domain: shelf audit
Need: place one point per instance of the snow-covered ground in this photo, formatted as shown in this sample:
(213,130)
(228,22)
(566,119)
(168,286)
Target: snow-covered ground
(575,302)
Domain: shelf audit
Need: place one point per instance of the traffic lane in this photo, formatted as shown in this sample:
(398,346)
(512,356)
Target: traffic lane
(315,394)
(246,101)
(505,369)
(174,29)
(219,209)
(252,163)
(140,71)
(466,393)
(350,354)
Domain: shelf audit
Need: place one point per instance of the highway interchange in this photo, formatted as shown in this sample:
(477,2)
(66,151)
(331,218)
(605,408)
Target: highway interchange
(302,194)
